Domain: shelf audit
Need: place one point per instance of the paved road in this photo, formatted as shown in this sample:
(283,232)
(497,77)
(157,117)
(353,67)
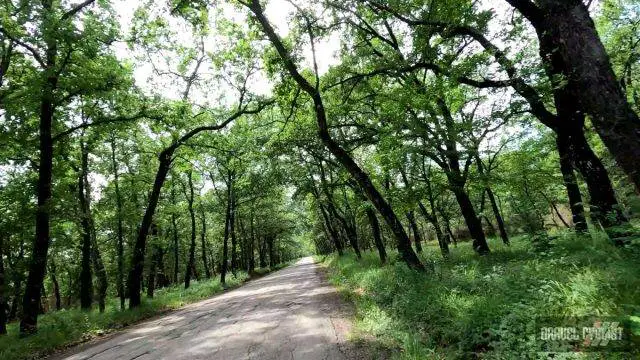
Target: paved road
(290,314)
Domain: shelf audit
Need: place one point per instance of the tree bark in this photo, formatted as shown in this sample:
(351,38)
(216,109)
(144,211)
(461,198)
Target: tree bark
(375,231)
(416,232)
(232,232)
(252,258)
(86,277)
(227,225)
(137,260)
(3,299)
(53,273)
(17,282)
(571,47)
(604,207)
(571,185)
(472,221)
(192,247)
(203,240)
(38,261)
(119,228)
(174,226)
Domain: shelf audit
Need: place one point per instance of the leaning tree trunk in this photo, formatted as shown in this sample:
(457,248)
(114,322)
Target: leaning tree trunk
(375,231)
(577,63)
(433,219)
(192,247)
(496,212)
(137,260)
(330,228)
(571,185)
(403,243)
(416,232)
(604,207)
(472,221)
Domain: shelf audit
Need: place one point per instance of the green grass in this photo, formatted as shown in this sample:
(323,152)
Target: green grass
(486,307)
(60,329)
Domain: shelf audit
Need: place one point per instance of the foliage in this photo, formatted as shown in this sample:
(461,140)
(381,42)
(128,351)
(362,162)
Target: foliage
(487,307)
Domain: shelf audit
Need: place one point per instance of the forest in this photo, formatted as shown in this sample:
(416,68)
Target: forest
(458,167)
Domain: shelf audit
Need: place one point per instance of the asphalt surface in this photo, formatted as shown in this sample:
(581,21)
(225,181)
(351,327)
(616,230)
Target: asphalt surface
(290,314)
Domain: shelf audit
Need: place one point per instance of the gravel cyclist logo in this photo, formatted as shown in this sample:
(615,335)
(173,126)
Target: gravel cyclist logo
(583,334)
(599,334)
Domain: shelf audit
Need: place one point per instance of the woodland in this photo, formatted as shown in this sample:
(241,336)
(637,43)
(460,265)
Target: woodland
(458,166)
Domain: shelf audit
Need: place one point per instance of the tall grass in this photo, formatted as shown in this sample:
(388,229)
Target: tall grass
(486,307)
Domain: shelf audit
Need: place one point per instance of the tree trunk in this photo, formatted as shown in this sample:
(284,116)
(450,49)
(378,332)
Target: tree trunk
(433,219)
(416,232)
(38,259)
(571,47)
(227,225)
(492,200)
(375,230)
(334,235)
(232,231)
(3,299)
(96,257)
(263,252)
(571,184)
(53,273)
(496,212)
(17,283)
(120,227)
(176,250)
(604,207)
(86,277)
(402,240)
(153,268)
(192,247)
(272,255)
(101,274)
(203,240)
(472,221)
(137,260)
(252,259)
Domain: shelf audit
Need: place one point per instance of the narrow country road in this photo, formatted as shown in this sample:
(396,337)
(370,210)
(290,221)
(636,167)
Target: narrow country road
(290,314)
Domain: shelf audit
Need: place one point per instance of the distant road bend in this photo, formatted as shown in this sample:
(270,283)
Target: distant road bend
(290,314)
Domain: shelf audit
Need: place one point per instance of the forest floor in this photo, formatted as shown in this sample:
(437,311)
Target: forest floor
(290,314)
(494,307)
(58,330)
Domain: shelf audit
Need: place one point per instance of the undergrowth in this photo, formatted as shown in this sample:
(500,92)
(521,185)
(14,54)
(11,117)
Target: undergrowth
(487,307)
(60,329)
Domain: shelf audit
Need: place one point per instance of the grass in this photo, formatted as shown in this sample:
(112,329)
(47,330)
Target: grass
(60,329)
(487,307)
